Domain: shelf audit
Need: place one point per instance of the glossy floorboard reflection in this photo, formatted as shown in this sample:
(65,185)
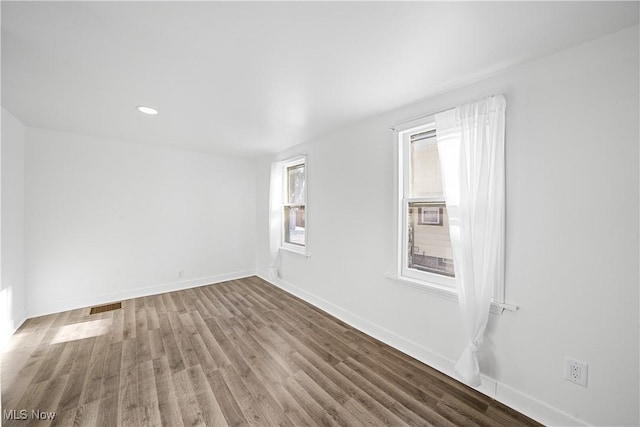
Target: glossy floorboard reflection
(241,352)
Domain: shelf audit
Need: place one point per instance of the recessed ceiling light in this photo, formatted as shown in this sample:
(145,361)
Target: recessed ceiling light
(147,110)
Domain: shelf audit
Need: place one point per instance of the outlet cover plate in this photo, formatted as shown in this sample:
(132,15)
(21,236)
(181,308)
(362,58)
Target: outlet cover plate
(576,371)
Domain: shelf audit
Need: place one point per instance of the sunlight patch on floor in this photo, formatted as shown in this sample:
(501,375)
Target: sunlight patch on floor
(79,331)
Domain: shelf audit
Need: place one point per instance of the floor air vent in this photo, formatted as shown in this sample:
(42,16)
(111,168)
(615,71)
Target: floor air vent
(103,308)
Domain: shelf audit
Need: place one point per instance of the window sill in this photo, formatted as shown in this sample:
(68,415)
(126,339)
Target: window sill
(301,252)
(444,292)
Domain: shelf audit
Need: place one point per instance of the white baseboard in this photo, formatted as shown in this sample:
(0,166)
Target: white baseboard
(531,407)
(37,308)
(534,408)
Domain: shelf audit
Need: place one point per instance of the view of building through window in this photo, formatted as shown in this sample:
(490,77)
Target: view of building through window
(427,226)
(428,237)
(294,208)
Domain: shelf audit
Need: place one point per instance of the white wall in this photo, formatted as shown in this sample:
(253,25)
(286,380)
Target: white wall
(572,236)
(107,220)
(12,286)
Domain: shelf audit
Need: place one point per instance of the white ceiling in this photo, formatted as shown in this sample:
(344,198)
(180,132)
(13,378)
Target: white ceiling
(249,78)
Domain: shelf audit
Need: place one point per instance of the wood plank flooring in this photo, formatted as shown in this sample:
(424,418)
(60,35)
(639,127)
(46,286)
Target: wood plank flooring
(236,353)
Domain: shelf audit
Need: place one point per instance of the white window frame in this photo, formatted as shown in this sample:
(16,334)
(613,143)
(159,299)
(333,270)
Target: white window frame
(434,280)
(286,164)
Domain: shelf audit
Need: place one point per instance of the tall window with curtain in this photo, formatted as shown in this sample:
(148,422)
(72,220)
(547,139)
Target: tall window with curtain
(451,213)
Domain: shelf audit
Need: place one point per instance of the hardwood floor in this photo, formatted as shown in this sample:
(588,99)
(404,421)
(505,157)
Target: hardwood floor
(237,353)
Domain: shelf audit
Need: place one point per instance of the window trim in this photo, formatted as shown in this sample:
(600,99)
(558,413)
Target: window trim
(286,164)
(447,294)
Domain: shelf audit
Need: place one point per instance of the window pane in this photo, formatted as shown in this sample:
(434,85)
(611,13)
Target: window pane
(294,221)
(295,184)
(428,240)
(425,179)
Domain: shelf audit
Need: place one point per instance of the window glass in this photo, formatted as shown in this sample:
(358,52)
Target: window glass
(294,206)
(426,180)
(426,253)
(294,225)
(296,183)
(428,237)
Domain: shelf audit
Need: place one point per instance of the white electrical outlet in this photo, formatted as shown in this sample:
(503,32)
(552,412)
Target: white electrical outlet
(575,371)
(180,273)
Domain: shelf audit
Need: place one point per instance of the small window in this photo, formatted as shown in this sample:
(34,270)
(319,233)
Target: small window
(294,206)
(426,252)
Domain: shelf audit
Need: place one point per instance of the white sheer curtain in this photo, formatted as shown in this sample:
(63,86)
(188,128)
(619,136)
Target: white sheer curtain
(275,218)
(471,147)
